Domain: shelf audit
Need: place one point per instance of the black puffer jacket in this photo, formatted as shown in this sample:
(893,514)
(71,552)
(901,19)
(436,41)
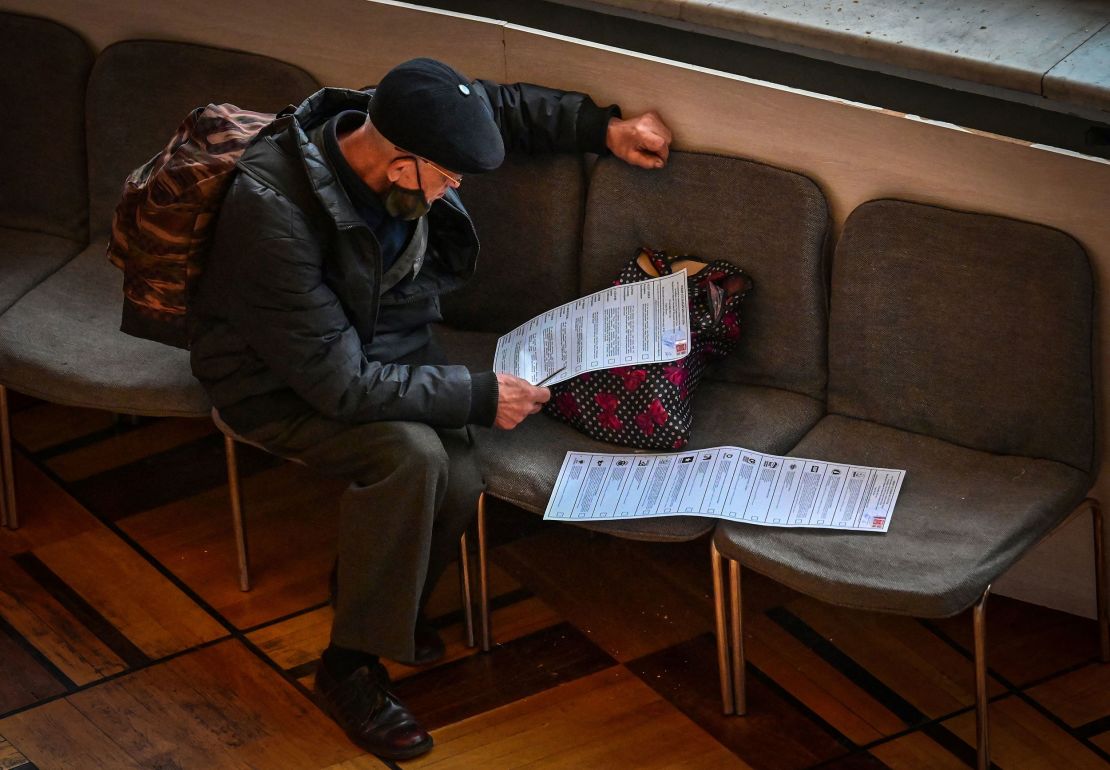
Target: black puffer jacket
(290,313)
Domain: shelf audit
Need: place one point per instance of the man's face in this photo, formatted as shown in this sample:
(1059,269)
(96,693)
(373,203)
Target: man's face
(417,183)
(435,184)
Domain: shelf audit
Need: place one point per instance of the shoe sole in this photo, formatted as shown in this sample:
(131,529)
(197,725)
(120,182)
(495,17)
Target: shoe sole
(409,753)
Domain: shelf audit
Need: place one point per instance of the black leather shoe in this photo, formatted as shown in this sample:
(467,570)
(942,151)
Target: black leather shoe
(370,714)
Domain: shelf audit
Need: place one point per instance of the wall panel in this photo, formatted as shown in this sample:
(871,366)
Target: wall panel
(342,42)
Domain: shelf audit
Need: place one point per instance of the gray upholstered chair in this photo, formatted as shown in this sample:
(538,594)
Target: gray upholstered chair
(771,222)
(61,341)
(528,215)
(43,200)
(960,351)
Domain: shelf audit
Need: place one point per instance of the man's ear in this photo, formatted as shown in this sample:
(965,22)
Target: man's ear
(394,170)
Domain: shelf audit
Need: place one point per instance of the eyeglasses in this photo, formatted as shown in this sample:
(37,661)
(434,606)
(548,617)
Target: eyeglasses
(454,179)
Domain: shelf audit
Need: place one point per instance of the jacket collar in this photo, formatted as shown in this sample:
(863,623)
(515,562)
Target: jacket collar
(451,232)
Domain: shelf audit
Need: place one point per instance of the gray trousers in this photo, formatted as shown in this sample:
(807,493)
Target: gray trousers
(414,490)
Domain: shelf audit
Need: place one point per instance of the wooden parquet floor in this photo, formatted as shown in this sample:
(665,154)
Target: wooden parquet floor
(125,642)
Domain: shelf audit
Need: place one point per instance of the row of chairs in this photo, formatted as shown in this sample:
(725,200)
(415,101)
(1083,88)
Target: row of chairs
(952,344)
(60,302)
(957,345)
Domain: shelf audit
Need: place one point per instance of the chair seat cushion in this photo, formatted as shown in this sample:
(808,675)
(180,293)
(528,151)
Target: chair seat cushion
(962,518)
(520,466)
(26,258)
(61,342)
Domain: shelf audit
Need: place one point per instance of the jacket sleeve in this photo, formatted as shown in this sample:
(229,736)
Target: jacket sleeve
(534,119)
(275,296)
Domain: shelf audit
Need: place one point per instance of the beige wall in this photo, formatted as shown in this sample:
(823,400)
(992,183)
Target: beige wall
(855,153)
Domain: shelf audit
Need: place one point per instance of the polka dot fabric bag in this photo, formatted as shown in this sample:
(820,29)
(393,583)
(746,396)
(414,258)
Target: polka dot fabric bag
(648,406)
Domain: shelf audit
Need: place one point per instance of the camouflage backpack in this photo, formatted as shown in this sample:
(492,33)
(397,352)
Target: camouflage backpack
(163,225)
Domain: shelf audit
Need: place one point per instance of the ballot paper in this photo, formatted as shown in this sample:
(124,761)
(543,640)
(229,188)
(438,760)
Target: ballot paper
(636,323)
(729,483)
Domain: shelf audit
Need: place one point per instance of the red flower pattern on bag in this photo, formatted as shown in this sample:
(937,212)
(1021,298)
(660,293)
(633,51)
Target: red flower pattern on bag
(567,405)
(656,411)
(675,374)
(607,401)
(656,414)
(732,325)
(609,420)
(633,378)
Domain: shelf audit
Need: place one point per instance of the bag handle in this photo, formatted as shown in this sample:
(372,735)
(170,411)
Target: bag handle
(657,263)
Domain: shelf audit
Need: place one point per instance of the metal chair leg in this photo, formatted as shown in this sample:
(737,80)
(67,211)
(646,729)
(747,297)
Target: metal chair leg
(1102,595)
(982,703)
(715,561)
(739,675)
(464,588)
(237,513)
(483,576)
(9,516)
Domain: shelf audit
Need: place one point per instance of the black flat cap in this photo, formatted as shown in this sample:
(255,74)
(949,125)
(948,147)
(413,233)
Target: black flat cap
(428,108)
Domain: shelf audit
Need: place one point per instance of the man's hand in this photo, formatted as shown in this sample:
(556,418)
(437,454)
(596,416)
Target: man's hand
(516,399)
(642,141)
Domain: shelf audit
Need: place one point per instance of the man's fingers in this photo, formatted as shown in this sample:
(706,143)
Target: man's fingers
(649,158)
(543,396)
(654,142)
(656,145)
(665,132)
(642,141)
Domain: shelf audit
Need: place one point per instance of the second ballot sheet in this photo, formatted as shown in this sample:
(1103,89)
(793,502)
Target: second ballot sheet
(728,482)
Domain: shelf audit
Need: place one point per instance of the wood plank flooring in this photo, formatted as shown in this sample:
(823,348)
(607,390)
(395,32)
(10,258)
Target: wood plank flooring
(125,642)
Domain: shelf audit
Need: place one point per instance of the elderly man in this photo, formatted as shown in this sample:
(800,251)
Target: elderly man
(313,337)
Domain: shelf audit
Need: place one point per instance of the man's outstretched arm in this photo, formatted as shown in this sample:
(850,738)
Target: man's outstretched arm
(536,119)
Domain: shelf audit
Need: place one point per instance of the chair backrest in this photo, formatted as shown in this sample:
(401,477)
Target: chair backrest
(971,328)
(528,215)
(45,68)
(141,90)
(770,222)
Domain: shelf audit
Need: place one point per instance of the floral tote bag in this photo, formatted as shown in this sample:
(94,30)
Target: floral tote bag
(648,406)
